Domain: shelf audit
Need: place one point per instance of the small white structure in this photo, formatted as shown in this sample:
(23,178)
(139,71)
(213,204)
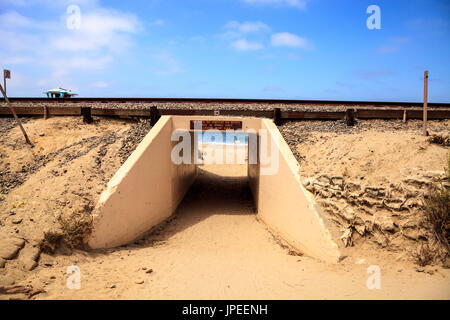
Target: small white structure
(60,93)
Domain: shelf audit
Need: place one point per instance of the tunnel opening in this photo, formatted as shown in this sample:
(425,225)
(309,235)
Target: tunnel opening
(220,188)
(160,178)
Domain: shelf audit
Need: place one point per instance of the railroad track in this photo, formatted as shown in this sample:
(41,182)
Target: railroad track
(377,104)
(292,109)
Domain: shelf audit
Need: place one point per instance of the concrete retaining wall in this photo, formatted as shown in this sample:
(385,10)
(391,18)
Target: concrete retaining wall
(287,208)
(145,191)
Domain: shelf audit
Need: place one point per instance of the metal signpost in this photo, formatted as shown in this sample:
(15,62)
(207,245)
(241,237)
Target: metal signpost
(6,75)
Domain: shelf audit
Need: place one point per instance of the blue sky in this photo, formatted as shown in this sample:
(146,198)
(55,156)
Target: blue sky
(287,49)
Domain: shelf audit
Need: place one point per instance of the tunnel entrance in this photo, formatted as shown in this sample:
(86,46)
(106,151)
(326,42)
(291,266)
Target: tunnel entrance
(218,190)
(159,174)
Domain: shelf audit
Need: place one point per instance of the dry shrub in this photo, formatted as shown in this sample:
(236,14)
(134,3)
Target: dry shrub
(424,256)
(74,230)
(50,241)
(437,207)
(440,140)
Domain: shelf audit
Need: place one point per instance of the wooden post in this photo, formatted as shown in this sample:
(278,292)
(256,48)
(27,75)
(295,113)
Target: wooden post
(6,75)
(45,112)
(276,116)
(404,115)
(350,117)
(425,102)
(86,113)
(15,116)
(154,115)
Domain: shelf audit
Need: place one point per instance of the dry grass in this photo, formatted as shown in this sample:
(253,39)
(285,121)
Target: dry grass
(441,140)
(73,232)
(424,256)
(437,207)
(50,241)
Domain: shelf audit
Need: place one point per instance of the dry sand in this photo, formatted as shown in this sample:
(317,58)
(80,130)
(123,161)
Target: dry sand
(213,248)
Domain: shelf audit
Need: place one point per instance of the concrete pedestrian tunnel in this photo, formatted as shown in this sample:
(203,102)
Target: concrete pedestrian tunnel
(150,185)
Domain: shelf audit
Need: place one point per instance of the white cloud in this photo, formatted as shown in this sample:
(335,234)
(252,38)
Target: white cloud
(235,29)
(14,60)
(299,4)
(247,26)
(286,39)
(80,63)
(102,29)
(167,64)
(394,44)
(48,3)
(61,56)
(244,45)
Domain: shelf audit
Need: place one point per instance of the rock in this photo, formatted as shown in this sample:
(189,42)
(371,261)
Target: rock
(139,281)
(347,237)
(430,270)
(308,183)
(348,213)
(338,181)
(149,271)
(46,260)
(6,281)
(10,247)
(409,223)
(393,204)
(29,256)
(113,286)
(30,265)
(2,263)
(361,229)
(17,221)
(446,264)
(385,223)
(411,233)
(380,239)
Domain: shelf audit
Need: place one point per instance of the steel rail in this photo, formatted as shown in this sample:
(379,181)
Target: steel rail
(232,101)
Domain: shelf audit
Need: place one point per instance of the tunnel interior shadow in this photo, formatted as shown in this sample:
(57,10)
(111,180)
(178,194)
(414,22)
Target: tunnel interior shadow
(210,194)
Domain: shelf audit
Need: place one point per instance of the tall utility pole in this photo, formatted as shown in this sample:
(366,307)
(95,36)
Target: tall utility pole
(425,102)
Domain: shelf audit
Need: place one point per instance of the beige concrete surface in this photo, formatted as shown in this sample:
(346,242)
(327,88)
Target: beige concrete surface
(148,188)
(286,207)
(144,192)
